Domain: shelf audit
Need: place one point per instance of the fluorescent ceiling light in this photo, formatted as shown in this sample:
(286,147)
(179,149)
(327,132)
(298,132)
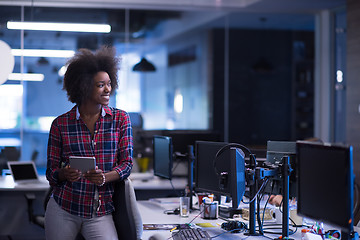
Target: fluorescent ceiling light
(62,71)
(178,101)
(11,90)
(67,27)
(43,53)
(26,76)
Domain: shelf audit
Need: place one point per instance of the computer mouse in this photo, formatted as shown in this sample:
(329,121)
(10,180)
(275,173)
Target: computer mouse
(177,211)
(157,236)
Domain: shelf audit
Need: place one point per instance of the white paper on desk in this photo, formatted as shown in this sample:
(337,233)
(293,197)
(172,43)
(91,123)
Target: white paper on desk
(174,200)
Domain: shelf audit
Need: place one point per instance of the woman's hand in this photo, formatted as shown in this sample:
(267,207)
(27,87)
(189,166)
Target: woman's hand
(69,174)
(95,176)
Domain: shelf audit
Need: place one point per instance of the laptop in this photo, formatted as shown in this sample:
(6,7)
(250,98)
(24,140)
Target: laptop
(23,172)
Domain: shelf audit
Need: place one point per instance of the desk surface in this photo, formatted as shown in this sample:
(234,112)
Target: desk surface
(7,184)
(155,183)
(153,213)
(159,184)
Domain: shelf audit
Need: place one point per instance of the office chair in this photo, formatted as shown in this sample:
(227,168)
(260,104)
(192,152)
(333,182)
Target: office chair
(11,153)
(127,218)
(33,218)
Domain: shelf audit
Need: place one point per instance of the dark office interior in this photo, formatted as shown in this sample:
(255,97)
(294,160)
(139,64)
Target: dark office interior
(268,70)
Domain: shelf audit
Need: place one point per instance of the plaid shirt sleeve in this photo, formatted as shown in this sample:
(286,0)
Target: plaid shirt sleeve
(125,148)
(54,150)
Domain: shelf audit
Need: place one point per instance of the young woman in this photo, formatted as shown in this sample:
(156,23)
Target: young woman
(82,202)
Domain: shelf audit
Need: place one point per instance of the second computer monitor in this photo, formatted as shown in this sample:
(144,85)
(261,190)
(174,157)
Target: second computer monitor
(162,157)
(326,184)
(224,175)
(181,139)
(276,150)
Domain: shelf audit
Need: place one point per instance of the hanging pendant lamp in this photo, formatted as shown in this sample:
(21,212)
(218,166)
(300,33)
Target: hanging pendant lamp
(144,66)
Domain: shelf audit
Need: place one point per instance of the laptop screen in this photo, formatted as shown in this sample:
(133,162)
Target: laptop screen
(23,171)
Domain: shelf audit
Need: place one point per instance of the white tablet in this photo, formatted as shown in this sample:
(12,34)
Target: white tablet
(83,164)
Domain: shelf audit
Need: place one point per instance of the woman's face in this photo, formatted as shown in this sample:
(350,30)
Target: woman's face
(102,89)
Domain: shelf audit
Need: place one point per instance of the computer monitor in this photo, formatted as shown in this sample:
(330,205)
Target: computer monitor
(208,170)
(276,150)
(326,183)
(162,156)
(182,138)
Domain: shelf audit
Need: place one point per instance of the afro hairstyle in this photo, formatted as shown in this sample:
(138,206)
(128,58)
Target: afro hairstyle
(82,68)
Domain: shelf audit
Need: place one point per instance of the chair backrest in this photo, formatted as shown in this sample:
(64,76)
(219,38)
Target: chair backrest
(126,216)
(136,120)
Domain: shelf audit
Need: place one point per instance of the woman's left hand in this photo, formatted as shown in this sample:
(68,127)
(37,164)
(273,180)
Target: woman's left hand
(95,176)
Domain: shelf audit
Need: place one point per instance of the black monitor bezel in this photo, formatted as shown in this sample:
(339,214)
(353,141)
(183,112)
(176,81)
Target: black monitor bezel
(168,175)
(346,226)
(234,166)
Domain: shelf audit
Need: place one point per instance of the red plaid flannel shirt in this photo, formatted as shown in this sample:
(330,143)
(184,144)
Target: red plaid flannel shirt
(112,146)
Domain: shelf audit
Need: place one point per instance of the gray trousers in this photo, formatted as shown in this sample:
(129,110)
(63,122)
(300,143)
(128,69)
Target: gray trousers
(61,225)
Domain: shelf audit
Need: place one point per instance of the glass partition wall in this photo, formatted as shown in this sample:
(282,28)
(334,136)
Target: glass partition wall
(230,72)
(174,95)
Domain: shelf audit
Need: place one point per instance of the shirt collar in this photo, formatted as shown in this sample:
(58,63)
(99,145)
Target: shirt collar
(104,110)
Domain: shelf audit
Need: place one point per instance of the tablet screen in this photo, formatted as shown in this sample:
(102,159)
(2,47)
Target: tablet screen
(83,164)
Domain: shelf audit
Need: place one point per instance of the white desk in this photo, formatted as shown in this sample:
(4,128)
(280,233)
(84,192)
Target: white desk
(158,183)
(153,213)
(14,219)
(7,184)
(152,187)
(139,183)
(13,206)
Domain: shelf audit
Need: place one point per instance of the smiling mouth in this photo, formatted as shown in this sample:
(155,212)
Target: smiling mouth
(105,98)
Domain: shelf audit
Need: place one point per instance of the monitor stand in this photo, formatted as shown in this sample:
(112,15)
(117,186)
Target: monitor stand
(286,170)
(352,236)
(190,187)
(251,178)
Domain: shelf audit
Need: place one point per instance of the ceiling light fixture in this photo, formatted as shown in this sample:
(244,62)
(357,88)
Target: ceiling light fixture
(42,61)
(66,27)
(144,66)
(178,101)
(62,71)
(43,53)
(26,77)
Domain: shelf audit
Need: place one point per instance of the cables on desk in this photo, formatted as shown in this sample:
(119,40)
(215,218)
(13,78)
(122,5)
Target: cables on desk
(175,211)
(174,167)
(267,201)
(294,224)
(172,185)
(277,226)
(196,216)
(189,223)
(260,189)
(232,230)
(260,223)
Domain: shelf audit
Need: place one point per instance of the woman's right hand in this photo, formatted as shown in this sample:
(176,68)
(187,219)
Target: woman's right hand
(69,174)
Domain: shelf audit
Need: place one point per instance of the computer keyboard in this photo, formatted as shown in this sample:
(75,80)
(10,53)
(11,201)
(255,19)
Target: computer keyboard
(190,234)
